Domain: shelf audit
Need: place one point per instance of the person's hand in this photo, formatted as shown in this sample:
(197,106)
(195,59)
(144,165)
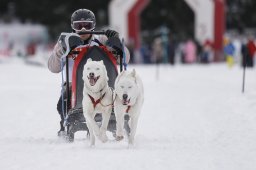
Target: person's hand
(113,51)
(58,50)
(111,33)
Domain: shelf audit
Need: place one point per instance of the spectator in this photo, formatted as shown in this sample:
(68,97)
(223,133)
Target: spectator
(206,56)
(145,53)
(251,52)
(229,50)
(190,51)
(171,51)
(157,50)
(244,52)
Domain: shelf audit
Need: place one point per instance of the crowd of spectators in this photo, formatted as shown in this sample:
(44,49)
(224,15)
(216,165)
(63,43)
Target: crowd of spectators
(237,49)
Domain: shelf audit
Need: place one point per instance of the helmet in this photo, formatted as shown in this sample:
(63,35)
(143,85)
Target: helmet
(83,19)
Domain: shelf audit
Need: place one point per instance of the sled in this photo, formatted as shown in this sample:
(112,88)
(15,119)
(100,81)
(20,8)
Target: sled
(74,119)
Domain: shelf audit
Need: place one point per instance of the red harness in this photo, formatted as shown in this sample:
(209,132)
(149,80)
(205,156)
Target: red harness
(97,101)
(128,108)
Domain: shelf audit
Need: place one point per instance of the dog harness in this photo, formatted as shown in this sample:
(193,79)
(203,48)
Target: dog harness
(128,108)
(97,101)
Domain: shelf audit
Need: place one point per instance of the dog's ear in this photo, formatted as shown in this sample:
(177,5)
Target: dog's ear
(119,76)
(133,73)
(89,60)
(101,62)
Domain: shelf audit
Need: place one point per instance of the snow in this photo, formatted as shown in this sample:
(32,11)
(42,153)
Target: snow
(194,117)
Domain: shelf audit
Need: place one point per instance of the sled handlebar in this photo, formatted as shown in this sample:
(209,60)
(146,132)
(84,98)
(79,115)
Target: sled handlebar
(91,32)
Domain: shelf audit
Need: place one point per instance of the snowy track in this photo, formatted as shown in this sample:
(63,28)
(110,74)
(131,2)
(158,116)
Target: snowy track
(194,117)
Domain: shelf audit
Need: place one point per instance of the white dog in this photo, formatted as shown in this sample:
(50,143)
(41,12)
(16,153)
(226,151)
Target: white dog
(97,98)
(129,100)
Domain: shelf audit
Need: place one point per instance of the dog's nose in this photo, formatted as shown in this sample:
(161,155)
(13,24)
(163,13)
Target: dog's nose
(125,96)
(91,74)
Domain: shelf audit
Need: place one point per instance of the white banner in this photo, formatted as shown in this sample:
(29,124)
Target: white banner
(204,19)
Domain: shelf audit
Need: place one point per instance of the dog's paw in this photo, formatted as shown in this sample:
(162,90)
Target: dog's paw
(97,132)
(92,140)
(130,140)
(119,132)
(131,146)
(119,138)
(104,138)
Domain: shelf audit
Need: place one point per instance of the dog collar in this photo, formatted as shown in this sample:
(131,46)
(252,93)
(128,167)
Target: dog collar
(97,101)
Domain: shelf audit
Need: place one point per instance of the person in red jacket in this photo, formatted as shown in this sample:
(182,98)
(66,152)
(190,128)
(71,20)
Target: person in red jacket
(251,52)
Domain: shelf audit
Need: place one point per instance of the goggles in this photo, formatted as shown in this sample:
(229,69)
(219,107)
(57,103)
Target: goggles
(79,25)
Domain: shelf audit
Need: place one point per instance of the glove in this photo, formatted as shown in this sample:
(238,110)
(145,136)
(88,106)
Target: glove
(58,50)
(115,43)
(111,33)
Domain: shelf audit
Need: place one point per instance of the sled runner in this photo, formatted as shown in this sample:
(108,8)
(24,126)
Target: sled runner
(74,119)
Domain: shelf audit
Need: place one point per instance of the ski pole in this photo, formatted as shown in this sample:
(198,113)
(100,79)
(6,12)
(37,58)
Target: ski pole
(121,63)
(62,89)
(244,66)
(124,56)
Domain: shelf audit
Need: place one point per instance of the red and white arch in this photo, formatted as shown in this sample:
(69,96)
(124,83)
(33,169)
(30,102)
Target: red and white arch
(124,16)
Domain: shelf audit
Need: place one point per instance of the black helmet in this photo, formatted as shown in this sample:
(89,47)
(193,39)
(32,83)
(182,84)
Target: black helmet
(83,18)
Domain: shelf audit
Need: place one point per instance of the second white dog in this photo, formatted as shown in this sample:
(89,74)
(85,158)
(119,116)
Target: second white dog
(129,100)
(97,98)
